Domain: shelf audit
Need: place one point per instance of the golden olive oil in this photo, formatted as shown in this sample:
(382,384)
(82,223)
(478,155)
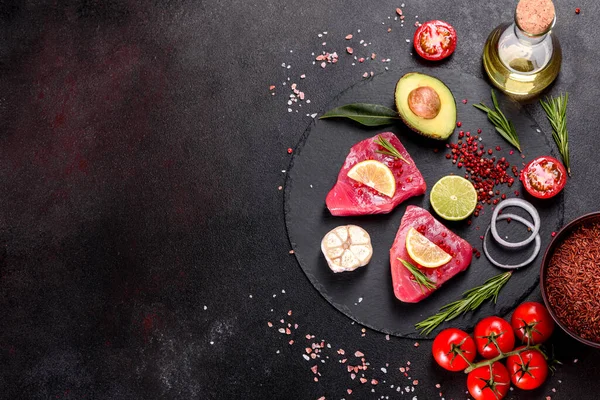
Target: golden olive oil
(519,65)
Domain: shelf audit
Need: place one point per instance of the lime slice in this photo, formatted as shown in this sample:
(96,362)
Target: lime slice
(453,198)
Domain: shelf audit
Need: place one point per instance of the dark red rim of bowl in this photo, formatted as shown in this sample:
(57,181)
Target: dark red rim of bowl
(560,236)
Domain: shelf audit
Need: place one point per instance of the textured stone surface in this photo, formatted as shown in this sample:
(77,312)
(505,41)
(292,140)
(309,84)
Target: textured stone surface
(142,236)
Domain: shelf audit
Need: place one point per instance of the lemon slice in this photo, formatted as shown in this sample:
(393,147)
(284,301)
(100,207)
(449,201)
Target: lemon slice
(424,252)
(453,198)
(376,175)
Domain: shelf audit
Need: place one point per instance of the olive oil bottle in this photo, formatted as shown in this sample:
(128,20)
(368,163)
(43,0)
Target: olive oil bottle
(522,58)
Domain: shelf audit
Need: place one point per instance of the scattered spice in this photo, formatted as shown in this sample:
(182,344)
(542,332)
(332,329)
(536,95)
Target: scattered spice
(485,173)
(572,283)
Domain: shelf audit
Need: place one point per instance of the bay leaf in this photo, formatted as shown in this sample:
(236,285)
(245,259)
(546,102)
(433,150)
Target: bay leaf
(364,113)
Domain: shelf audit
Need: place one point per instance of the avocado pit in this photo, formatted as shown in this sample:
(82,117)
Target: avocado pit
(424,102)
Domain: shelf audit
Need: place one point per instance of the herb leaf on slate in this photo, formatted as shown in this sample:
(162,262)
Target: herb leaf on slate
(503,126)
(470,301)
(556,111)
(364,113)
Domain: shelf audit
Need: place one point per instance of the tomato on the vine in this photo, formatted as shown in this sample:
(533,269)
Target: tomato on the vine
(544,177)
(491,334)
(452,347)
(489,382)
(435,40)
(532,323)
(528,370)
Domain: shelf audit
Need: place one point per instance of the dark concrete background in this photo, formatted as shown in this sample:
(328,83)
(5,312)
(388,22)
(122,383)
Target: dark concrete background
(142,242)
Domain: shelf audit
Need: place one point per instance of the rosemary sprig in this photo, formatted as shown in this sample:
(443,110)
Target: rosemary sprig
(420,277)
(388,148)
(503,126)
(556,111)
(472,299)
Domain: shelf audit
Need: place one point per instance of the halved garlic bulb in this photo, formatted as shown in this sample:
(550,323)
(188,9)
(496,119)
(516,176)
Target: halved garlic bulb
(346,248)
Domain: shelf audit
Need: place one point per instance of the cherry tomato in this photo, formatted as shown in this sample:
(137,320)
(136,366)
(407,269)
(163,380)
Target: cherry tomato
(529,370)
(544,177)
(435,40)
(448,346)
(492,333)
(489,382)
(532,322)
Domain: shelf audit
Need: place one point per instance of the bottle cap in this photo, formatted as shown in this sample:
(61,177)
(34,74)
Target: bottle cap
(535,16)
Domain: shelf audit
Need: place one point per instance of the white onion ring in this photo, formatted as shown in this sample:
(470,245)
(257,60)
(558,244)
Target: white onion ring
(538,243)
(525,205)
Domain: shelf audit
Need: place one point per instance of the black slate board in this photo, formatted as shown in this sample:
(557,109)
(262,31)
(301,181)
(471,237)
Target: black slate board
(366,295)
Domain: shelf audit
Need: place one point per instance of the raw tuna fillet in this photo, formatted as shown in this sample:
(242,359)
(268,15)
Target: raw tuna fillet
(349,197)
(405,287)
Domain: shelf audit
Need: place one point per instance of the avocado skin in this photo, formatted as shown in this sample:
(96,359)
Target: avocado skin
(440,127)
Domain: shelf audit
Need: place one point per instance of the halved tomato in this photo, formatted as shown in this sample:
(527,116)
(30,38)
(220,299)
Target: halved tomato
(435,40)
(544,177)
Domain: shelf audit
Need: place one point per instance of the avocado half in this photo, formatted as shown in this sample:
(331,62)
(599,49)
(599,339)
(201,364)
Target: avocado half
(426,105)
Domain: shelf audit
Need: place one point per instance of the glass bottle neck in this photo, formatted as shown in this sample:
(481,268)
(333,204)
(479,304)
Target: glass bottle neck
(526,39)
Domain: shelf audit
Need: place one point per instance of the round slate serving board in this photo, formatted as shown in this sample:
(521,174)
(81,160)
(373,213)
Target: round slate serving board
(366,295)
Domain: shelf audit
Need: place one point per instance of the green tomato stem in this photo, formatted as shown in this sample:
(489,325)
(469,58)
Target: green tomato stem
(501,356)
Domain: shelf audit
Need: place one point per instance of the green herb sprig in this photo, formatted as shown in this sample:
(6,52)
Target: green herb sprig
(364,113)
(471,299)
(503,126)
(421,278)
(556,111)
(388,149)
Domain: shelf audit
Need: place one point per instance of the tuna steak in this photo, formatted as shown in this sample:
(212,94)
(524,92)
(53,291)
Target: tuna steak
(405,287)
(349,197)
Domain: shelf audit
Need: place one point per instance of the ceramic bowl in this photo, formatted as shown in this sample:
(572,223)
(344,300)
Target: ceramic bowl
(564,233)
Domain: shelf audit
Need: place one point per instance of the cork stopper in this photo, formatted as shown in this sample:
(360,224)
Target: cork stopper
(535,16)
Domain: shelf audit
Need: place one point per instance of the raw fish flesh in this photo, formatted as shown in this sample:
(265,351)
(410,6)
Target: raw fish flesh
(406,288)
(349,197)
